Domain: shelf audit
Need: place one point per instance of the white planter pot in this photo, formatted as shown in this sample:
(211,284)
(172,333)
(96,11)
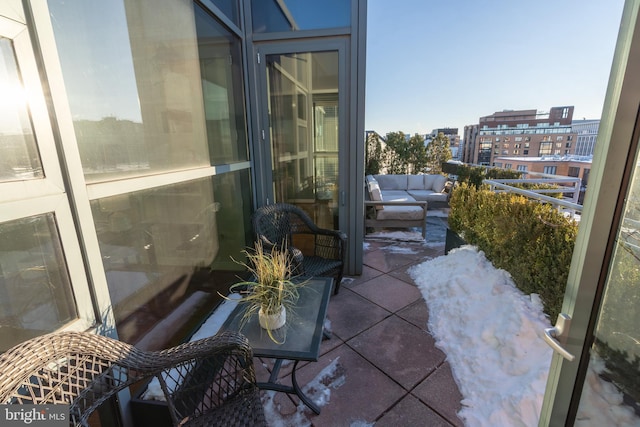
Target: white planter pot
(272,321)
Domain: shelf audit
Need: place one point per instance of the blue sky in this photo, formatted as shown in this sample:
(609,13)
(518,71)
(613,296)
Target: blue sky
(445,63)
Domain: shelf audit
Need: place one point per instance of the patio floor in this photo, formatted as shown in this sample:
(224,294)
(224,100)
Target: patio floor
(393,372)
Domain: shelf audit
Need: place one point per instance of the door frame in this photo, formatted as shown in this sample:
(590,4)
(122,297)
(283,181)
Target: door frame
(603,205)
(262,159)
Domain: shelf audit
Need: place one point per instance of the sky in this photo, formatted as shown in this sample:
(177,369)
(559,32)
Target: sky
(442,63)
(492,341)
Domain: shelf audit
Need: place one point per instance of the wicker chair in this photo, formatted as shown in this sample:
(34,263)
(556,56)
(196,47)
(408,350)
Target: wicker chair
(285,225)
(215,377)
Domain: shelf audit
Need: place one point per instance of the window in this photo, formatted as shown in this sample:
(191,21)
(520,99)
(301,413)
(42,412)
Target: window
(268,15)
(569,137)
(522,168)
(526,145)
(568,145)
(551,170)
(565,112)
(573,171)
(559,138)
(516,151)
(518,138)
(545,148)
(165,103)
(507,166)
(505,145)
(525,152)
(527,138)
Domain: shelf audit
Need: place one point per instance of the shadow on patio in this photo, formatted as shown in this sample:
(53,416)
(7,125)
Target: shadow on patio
(381,365)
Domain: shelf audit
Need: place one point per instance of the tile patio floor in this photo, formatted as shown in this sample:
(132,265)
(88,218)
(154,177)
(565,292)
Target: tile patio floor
(394,374)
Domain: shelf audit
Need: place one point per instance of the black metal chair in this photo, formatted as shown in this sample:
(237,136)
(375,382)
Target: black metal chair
(204,383)
(315,251)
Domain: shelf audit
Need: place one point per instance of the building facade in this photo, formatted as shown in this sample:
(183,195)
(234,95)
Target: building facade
(527,133)
(586,135)
(137,138)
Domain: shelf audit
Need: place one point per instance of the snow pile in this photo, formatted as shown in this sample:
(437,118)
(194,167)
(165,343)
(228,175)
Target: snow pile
(489,331)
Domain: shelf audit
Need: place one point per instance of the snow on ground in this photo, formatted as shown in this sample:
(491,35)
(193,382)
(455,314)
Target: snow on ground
(491,334)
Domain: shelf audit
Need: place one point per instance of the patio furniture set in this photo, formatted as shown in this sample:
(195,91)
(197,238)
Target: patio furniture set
(205,382)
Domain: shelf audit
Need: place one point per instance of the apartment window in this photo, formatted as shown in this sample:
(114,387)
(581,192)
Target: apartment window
(526,145)
(573,171)
(498,139)
(522,168)
(496,146)
(527,138)
(516,151)
(497,164)
(551,170)
(518,138)
(505,152)
(516,145)
(545,148)
(558,145)
(507,165)
(568,145)
(505,145)
(525,152)
(559,138)
(556,152)
(569,137)
(565,112)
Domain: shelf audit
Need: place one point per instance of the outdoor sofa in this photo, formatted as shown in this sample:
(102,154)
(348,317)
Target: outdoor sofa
(401,200)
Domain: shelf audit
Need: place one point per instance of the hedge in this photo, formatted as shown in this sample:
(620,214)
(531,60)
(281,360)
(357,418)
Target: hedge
(530,240)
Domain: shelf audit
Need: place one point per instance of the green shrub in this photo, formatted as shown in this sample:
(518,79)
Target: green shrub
(530,240)
(474,175)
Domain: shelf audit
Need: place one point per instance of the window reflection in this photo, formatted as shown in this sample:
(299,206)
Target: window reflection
(293,15)
(20,158)
(220,66)
(35,291)
(166,253)
(134,88)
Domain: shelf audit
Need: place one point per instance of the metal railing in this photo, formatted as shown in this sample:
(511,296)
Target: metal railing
(566,186)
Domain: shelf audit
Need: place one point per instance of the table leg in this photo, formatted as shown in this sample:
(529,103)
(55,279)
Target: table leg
(273,385)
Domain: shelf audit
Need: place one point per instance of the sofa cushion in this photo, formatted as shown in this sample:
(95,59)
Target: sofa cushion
(392,182)
(397,196)
(428,182)
(421,195)
(439,183)
(415,182)
(401,213)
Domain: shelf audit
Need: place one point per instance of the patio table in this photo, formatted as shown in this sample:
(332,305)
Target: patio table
(302,335)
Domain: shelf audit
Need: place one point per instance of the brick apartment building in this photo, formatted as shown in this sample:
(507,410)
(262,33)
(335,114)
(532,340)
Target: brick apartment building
(526,133)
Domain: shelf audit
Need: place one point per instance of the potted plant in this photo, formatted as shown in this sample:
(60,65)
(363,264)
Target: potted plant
(270,292)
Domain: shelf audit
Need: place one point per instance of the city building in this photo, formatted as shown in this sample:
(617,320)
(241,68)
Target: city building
(527,133)
(469,152)
(452,134)
(587,134)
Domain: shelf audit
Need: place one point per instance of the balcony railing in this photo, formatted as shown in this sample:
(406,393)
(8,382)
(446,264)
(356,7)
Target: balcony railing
(569,187)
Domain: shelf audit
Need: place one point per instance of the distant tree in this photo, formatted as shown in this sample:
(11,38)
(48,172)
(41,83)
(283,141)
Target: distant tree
(374,155)
(417,154)
(437,152)
(396,153)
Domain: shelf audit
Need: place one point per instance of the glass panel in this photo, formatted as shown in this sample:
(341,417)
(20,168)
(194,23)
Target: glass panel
(614,367)
(220,65)
(20,158)
(134,86)
(303,106)
(166,254)
(35,291)
(294,15)
(229,8)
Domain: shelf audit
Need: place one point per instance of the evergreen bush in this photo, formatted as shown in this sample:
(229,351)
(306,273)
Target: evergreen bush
(530,240)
